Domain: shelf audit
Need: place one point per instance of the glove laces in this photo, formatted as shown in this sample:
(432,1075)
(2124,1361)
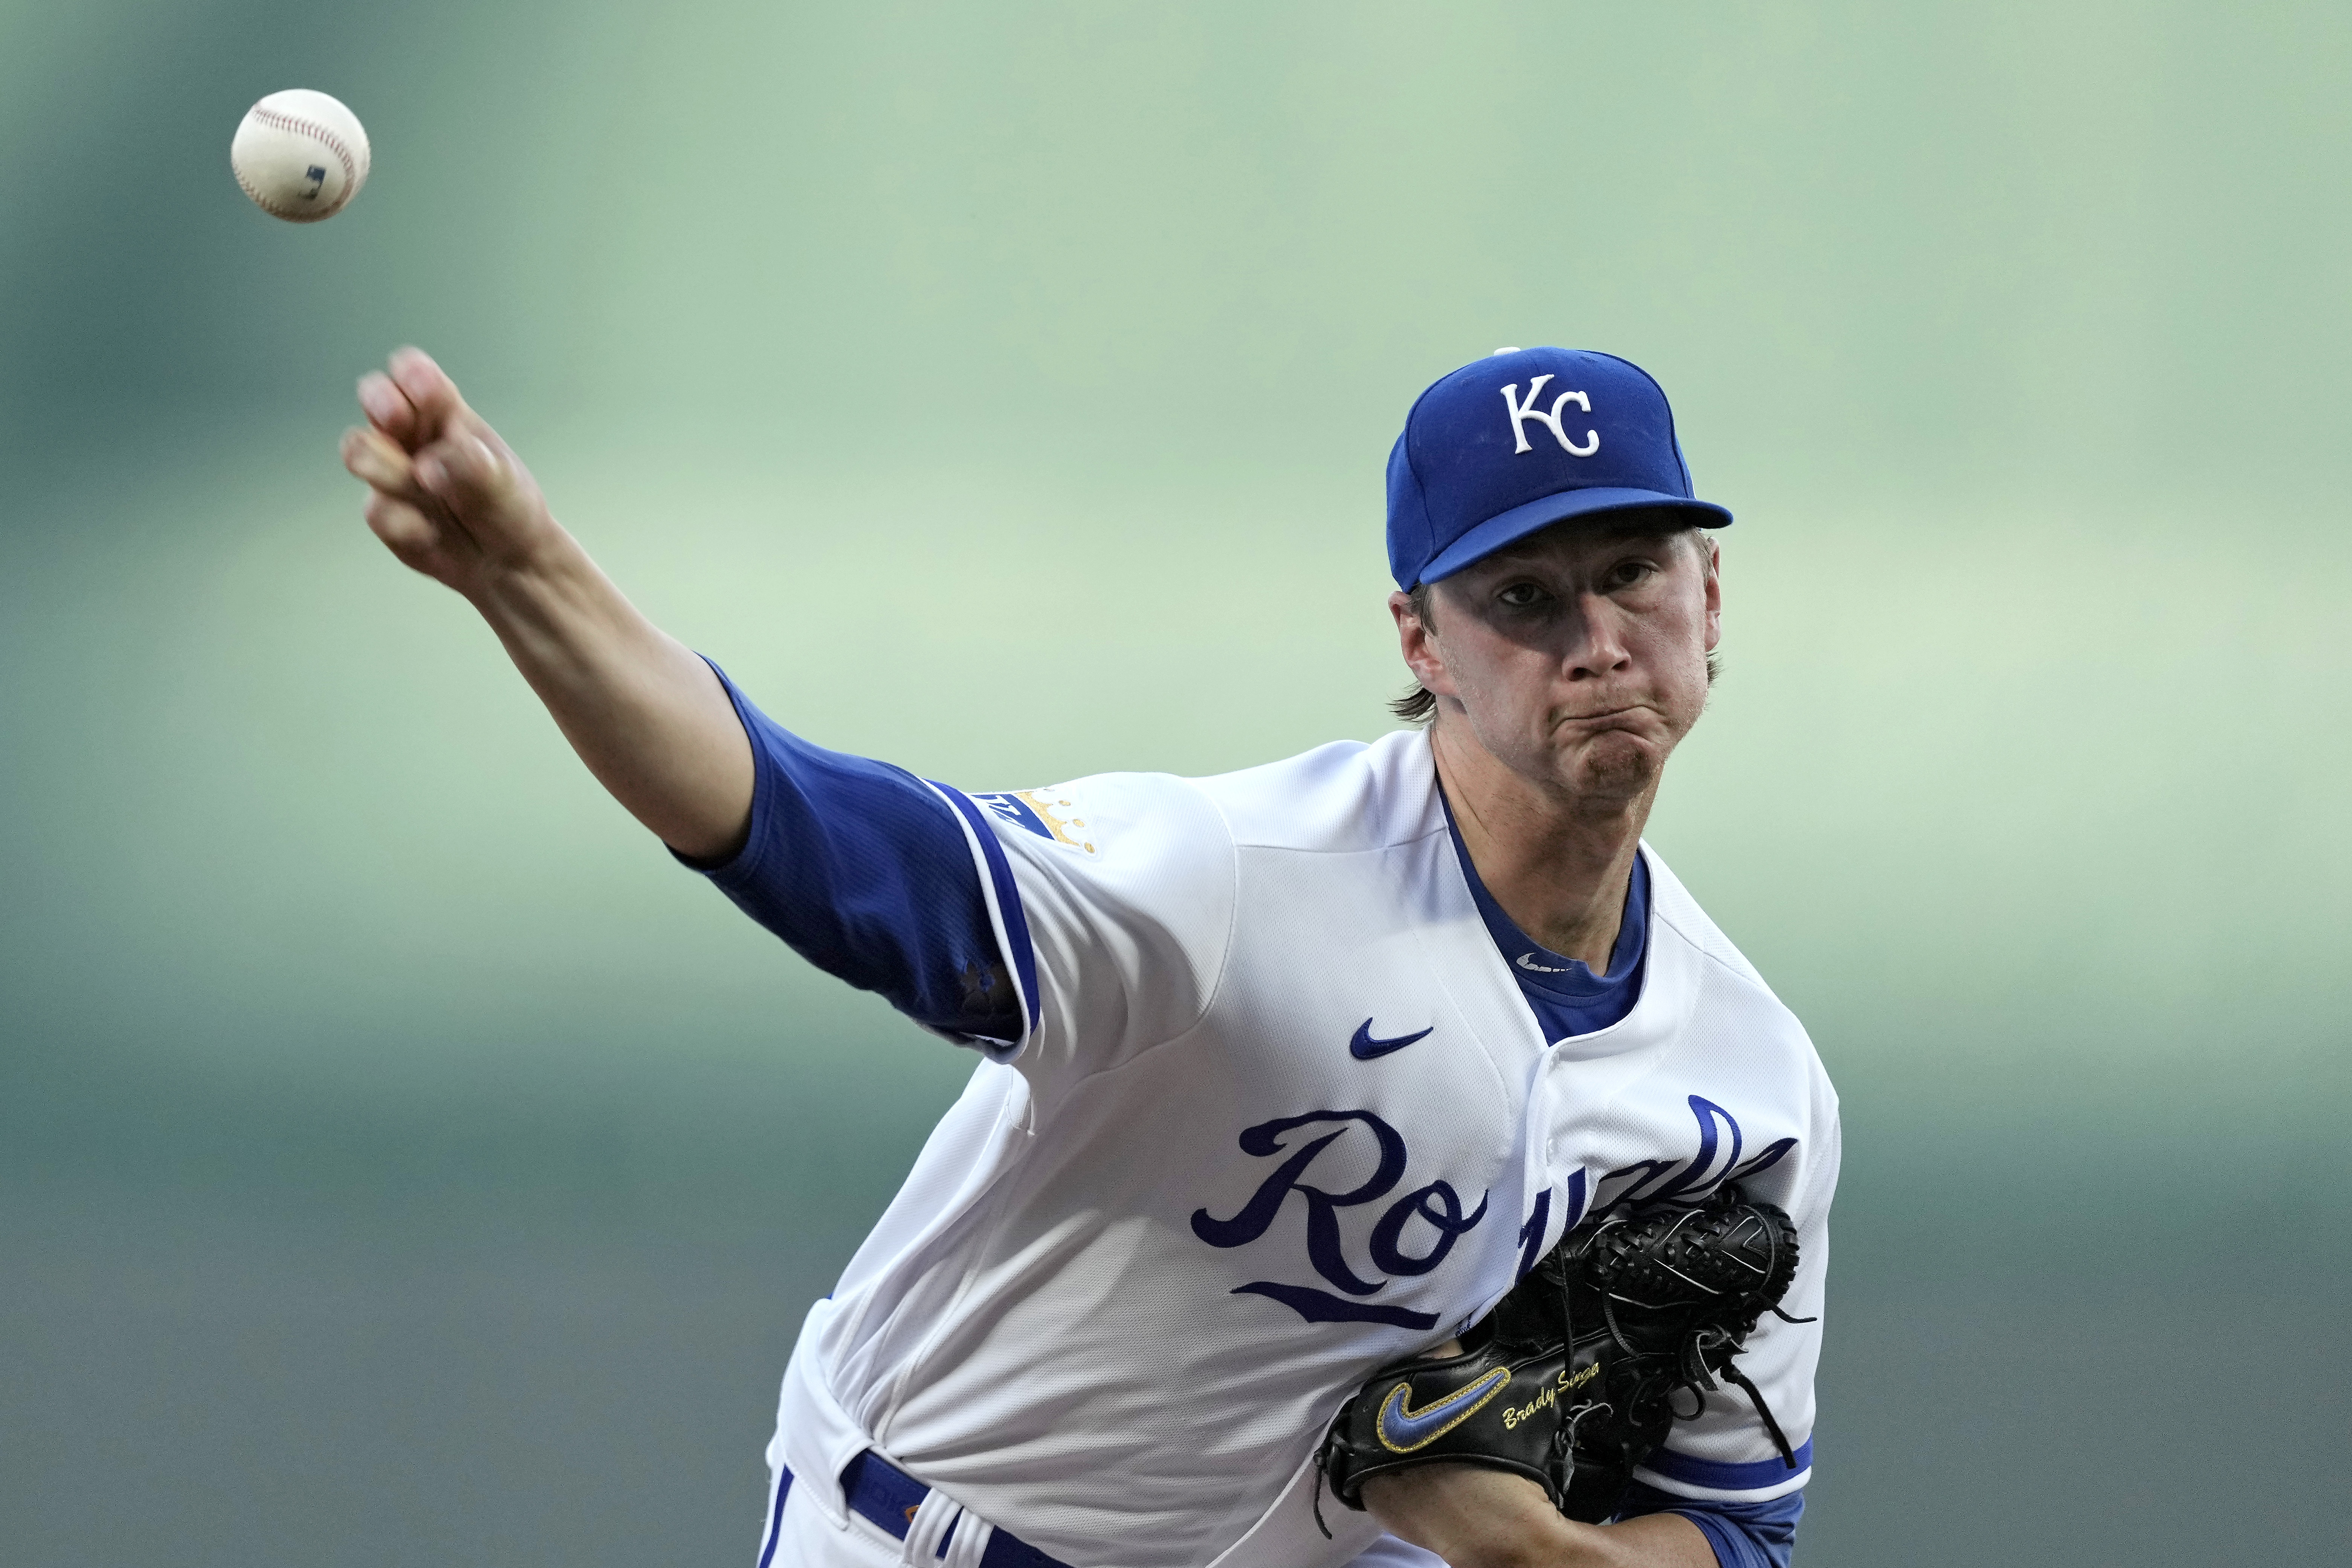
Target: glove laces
(1709,1348)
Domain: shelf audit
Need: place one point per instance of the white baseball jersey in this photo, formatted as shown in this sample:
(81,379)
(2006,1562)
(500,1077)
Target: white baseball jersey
(1281,1115)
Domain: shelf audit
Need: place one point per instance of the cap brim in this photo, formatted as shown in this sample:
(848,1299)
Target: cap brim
(1510,527)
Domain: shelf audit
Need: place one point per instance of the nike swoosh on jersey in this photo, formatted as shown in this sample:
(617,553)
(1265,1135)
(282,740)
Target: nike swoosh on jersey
(1365,1048)
(1527,962)
(1401,1430)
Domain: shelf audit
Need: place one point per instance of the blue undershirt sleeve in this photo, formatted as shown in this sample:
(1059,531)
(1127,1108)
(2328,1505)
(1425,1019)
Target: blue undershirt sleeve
(864,871)
(1744,1534)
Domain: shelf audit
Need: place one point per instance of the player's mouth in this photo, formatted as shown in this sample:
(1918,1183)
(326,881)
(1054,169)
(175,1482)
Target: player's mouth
(1608,718)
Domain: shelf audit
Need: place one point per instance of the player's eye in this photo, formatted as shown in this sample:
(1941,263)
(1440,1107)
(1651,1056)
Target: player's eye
(1632,570)
(1521,596)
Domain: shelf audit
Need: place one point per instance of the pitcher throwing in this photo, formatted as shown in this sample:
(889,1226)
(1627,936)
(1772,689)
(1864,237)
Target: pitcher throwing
(1286,1075)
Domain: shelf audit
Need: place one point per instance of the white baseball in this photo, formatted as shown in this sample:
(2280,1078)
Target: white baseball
(300,156)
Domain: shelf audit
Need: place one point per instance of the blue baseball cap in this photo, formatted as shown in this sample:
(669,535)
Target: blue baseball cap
(1525,438)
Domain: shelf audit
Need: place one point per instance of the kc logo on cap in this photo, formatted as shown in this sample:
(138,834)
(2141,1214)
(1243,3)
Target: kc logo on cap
(1465,478)
(1523,412)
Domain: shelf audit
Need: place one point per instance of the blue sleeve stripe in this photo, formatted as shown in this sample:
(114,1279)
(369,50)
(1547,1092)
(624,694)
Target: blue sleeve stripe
(875,877)
(1714,1475)
(1004,900)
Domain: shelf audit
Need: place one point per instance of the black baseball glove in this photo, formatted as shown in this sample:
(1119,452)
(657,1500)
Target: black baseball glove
(1664,1298)
(1571,1380)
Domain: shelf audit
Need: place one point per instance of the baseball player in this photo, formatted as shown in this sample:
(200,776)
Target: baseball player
(1286,1074)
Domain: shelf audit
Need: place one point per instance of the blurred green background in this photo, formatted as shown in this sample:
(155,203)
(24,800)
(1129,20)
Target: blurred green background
(401,1161)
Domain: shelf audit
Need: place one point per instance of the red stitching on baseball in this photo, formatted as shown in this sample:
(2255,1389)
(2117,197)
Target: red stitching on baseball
(334,144)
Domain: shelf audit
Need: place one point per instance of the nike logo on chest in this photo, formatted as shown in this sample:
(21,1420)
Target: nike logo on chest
(1365,1048)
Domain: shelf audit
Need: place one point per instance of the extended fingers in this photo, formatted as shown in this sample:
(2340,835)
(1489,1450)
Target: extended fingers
(413,401)
(415,539)
(429,393)
(388,408)
(462,472)
(466,473)
(378,460)
(448,494)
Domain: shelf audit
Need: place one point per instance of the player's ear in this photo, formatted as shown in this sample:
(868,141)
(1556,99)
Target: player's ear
(1417,641)
(1713,554)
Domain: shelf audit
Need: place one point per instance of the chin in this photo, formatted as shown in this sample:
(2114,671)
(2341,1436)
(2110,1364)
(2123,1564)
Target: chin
(1613,764)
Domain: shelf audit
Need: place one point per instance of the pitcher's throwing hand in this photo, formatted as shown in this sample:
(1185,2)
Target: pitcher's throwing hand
(450,499)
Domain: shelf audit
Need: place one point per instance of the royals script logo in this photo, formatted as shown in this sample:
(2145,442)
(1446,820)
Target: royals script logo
(1417,1228)
(1722,1157)
(1412,1236)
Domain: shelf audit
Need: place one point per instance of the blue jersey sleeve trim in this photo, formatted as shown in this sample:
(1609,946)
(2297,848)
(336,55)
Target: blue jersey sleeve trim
(1741,1534)
(1004,900)
(876,877)
(1759,1475)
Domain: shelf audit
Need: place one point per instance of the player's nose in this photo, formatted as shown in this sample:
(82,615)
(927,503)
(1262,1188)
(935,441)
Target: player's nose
(1598,644)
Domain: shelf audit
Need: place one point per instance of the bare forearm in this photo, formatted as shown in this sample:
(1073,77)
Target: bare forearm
(644,714)
(453,502)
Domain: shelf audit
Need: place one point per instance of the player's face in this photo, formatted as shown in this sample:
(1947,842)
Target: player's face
(1578,658)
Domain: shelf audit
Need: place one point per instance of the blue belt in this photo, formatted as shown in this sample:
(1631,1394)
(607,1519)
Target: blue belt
(889,1496)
